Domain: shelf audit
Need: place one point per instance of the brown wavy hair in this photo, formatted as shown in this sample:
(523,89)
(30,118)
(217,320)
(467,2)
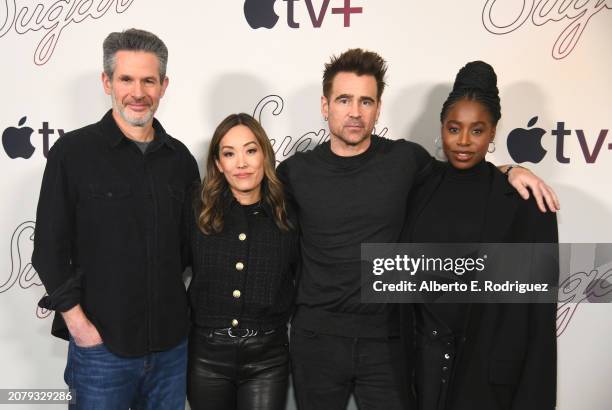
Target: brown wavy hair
(214,185)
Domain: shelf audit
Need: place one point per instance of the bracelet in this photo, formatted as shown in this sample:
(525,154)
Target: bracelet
(509,168)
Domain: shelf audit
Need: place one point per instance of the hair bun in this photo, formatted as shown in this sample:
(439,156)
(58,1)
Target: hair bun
(477,74)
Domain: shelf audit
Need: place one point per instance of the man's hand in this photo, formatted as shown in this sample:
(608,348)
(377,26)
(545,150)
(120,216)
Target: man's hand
(82,330)
(521,179)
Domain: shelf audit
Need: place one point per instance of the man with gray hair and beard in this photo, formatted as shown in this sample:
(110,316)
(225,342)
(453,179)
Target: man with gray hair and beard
(110,240)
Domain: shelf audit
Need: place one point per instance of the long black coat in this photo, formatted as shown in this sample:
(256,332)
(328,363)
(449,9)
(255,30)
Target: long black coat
(508,358)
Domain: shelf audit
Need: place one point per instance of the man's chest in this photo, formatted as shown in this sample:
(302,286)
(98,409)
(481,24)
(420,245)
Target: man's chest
(335,201)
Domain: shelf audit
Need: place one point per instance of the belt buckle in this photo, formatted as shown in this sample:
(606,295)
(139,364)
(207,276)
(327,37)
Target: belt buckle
(244,333)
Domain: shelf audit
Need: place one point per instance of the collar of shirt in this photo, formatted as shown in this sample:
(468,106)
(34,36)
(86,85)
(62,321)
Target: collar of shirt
(230,202)
(115,136)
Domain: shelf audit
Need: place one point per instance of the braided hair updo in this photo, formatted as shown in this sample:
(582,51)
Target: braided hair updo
(476,81)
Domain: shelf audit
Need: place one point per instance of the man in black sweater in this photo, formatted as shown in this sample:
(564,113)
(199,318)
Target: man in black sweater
(348,191)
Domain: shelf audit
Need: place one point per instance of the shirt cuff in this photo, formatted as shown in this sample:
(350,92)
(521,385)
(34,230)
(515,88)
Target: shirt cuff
(65,297)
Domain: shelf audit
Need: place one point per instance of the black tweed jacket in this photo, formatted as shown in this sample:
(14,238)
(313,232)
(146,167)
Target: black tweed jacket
(243,277)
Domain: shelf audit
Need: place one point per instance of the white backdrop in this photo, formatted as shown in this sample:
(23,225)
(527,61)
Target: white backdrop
(553,60)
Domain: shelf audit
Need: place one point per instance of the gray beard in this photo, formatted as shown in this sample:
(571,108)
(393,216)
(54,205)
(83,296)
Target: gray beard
(134,122)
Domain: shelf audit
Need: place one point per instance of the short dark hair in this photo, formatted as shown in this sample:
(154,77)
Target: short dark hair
(134,40)
(358,61)
(476,81)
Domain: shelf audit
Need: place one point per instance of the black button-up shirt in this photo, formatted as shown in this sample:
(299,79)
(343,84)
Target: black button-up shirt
(111,235)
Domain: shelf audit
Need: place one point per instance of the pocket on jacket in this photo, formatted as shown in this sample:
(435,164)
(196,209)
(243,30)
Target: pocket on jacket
(110,192)
(108,209)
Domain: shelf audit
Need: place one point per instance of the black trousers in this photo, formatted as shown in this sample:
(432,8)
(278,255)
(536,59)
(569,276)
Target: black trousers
(326,369)
(227,372)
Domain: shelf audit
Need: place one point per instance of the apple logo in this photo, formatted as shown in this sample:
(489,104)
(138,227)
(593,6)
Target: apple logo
(16,141)
(526,145)
(260,13)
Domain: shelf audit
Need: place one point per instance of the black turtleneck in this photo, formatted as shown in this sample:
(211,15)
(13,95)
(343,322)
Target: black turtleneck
(455,211)
(454,214)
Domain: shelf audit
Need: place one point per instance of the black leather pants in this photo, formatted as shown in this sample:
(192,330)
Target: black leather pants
(227,372)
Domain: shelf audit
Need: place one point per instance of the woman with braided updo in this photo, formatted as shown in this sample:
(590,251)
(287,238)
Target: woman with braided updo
(478,356)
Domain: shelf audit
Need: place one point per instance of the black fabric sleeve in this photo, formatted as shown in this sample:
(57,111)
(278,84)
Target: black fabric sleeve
(537,387)
(192,192)
(64,297)
(424,164)
(53,237)
(282,171)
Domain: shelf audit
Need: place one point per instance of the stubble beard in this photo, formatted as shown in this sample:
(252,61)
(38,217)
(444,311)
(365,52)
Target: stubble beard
(352,142)
(133,121)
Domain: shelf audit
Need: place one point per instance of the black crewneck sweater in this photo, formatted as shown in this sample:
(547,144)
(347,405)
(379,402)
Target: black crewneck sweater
(342,202)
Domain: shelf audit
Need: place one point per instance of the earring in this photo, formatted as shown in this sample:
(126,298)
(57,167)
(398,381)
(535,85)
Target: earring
(325,119)
(438,142)
(439,151)
(489,149)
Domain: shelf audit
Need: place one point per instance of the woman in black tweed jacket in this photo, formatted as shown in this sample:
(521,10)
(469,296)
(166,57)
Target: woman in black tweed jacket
(244,252)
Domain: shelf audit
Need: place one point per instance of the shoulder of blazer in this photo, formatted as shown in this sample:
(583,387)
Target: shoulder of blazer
(505,202)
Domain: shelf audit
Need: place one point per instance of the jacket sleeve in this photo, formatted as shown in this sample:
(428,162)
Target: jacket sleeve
(537,386)
(54,235)
(425,164)
(282,172)
(192,190)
